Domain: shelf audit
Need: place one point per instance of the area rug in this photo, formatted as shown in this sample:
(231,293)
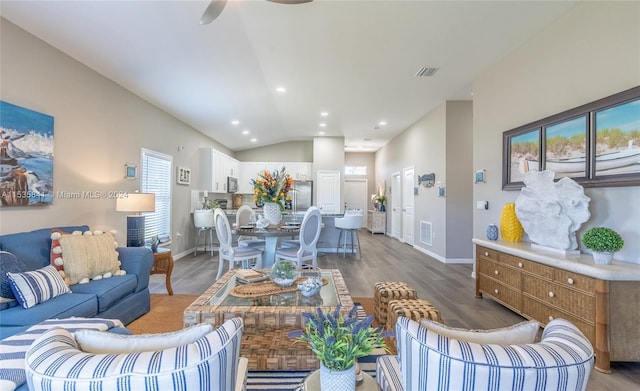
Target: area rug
(165,315)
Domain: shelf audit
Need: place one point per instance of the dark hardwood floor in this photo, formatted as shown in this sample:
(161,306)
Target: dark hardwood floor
(450,288)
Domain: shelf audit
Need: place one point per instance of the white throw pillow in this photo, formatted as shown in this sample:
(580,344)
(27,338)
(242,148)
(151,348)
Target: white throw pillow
(521,333)
(100,342)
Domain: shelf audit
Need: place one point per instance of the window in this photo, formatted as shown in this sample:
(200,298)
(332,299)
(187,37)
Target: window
(355,170)
(156,179)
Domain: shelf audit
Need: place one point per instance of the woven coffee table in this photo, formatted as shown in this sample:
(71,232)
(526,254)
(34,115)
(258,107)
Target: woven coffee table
(268,319)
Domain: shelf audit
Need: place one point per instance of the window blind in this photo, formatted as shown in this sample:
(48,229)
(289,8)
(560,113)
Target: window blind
(156,179)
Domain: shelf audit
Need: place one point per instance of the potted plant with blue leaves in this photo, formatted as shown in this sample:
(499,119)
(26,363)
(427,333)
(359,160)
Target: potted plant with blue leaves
(338,341)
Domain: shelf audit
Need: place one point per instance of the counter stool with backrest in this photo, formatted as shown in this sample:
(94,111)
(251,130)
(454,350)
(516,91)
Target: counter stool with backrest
(227,251)
(350,223)
(203,221)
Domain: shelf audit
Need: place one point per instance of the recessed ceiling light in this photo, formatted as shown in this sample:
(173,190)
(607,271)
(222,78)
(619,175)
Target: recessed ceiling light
(321,133)
(382,123)
(245,132)
(253,140)
(235,122)
(323,125)
(324,114)
(281,90)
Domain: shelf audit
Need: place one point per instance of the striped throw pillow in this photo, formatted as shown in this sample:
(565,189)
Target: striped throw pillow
(38,286)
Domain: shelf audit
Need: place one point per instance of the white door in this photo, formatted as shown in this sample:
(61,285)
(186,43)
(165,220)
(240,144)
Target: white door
(355,196)
(396,205)
(328,191)
(407,205)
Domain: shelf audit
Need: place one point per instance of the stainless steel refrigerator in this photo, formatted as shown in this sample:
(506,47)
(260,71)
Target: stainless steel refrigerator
(302,198)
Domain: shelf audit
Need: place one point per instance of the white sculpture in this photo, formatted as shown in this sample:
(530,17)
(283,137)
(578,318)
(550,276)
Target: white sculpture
(551,212)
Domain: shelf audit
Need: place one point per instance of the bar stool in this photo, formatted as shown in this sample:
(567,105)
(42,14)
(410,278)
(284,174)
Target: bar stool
(351,222)
(203,221)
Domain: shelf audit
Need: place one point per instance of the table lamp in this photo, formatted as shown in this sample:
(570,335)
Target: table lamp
(137,203)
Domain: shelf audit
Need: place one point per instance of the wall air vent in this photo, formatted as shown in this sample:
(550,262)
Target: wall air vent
(426,233)
(426,71)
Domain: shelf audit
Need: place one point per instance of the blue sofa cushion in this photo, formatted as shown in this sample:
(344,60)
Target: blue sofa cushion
(33,248)
(109,290)
(8,263)
(71,304)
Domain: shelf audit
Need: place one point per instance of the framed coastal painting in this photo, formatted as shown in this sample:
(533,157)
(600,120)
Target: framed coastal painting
(521,154)
(565,147)
(617,140)
(596,144)
(26,157)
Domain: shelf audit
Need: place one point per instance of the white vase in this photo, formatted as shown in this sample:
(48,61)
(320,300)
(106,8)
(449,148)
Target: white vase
(337,380)
(602,258)
(272,213)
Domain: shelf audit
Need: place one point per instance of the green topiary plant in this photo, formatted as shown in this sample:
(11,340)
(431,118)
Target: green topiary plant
(602,239)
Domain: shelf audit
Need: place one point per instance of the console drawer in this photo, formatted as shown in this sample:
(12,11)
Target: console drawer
(501,273)
(501,292)
(573,302)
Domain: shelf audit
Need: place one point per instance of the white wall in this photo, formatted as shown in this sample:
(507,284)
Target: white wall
(98,127)
(439,143)
(293,151)
(591,52)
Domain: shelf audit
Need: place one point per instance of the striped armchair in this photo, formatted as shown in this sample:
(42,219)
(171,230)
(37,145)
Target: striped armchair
(211,363)
(426,360)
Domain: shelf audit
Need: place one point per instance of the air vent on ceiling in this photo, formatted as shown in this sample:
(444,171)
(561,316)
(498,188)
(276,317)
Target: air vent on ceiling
(426,72)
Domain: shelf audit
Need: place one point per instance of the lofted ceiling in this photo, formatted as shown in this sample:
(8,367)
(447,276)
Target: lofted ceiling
(355,60)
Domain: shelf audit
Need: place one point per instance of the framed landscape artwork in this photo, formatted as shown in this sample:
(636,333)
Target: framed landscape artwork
(26,157)
(597,144)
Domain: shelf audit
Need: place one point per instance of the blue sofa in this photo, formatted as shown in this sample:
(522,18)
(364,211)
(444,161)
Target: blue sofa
(121,297)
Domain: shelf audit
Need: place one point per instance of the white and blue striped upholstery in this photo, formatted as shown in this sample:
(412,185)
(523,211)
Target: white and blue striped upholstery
(54,362)
(562,360)
(37,286)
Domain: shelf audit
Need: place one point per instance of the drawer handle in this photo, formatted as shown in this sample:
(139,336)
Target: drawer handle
(496,291)
(486,254)
(550,318)
(570,281)
(520,264)
(496,272)
(551,294)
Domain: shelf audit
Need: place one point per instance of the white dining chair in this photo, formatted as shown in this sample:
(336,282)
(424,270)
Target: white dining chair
(349,224)
(243,217)
(203,221)
(227,251)
(308,238)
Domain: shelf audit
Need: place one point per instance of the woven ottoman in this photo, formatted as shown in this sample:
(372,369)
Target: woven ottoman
(414,309)
(386,291)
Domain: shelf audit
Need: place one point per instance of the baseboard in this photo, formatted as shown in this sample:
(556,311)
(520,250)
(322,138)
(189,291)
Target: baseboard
(448,261)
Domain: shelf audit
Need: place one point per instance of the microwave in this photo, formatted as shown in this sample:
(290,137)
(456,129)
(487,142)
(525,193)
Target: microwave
(232,184)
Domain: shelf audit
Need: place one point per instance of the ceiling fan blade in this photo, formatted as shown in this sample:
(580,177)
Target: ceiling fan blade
(213,11)
(290,1)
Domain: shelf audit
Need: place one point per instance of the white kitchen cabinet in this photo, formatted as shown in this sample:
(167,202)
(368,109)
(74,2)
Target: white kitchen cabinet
(300,171)
(249,171)
(215,167)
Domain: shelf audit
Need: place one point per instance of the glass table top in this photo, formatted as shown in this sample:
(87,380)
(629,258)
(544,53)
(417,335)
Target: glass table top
(327,296)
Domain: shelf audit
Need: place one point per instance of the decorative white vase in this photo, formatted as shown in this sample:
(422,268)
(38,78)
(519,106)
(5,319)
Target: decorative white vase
(602,258)
(272,213)
(337,380)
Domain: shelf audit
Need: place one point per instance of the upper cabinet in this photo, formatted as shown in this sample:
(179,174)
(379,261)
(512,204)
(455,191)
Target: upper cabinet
(249,170)
(215,167)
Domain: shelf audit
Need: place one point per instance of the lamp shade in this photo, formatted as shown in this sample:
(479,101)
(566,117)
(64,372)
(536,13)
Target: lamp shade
(136,202)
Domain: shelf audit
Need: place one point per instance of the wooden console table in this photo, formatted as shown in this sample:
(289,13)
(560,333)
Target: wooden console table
(603,301)
(376,221)
(163,264)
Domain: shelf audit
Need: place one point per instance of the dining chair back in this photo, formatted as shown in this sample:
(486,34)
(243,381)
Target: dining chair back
(204,222)
(308,238)
(227,251)
(243,218)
